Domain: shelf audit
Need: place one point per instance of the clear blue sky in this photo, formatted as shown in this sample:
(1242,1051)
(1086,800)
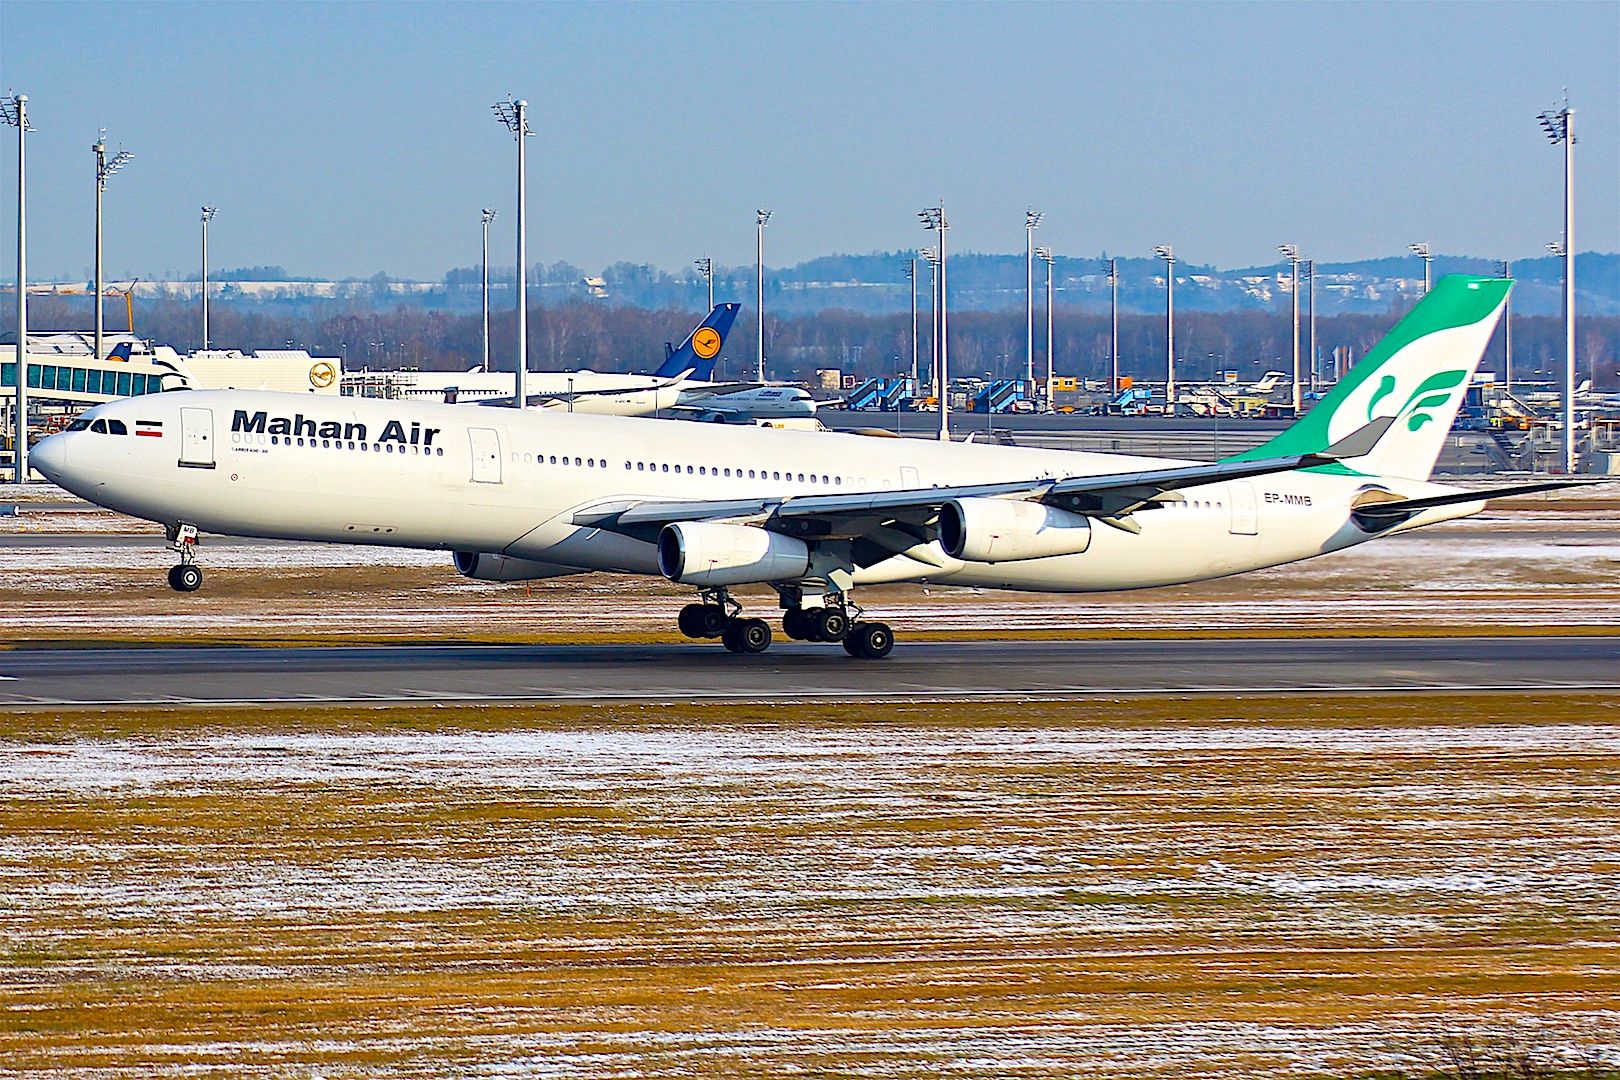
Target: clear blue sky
(343,139)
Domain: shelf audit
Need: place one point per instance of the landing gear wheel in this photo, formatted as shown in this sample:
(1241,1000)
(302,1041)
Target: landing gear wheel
(747,636)
(869,641)
(711,620)
(692,622)
(701,620)
(830,624)
(186,577)
(796,625)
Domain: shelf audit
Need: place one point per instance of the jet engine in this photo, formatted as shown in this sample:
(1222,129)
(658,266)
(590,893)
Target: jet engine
(493,566)
(1007,530)
(709,554)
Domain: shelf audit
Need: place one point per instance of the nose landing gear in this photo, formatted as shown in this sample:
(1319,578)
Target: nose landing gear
(187,576)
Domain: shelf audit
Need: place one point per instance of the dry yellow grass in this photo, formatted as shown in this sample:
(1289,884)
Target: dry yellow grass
(1153,887)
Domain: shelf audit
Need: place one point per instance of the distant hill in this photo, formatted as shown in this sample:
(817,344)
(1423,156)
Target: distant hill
(876,284)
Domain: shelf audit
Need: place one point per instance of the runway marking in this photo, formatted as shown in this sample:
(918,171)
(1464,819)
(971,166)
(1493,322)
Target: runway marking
(1030,694)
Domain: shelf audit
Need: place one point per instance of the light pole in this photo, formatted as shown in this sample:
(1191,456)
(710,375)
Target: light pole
(705,268)
(932,258)
(933,219)
(14,110)
(1506,269)
(1032,221)
(1113,327)
(1559,128)
(515,115)
(1167,253)
(488,216)
(911,276)
(1291,253)
(104,169)
(1422,252)
(207,216)
(761,219)
(1046,257)
(1310,298)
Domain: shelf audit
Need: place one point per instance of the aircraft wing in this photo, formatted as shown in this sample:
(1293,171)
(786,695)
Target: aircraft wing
(1111,498)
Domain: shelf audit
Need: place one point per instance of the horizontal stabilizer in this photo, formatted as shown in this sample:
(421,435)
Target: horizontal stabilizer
(1360,442)
(1385,513)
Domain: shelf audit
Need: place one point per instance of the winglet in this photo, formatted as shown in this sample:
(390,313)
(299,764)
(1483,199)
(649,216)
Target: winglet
(1359,443)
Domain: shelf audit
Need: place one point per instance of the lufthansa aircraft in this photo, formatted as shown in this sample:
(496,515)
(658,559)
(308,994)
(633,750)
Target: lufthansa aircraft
(519,495)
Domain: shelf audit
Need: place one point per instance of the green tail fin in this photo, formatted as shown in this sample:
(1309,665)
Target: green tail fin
(1417,374)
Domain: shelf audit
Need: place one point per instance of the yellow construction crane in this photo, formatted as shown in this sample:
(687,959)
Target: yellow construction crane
(73,290)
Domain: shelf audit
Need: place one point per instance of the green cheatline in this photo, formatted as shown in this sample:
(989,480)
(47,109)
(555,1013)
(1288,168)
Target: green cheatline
(1456,300)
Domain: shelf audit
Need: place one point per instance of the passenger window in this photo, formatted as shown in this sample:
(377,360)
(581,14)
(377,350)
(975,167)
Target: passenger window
(776,476)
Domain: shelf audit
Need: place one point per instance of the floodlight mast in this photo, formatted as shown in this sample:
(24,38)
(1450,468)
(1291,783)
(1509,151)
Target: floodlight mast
(1560,129)
(1505,270)
(911,276)
(1422,252)
(1032,221)
(1310,297)
(761,219)
(1112,265)
(14,111)
(105,168)
(705,268)
(931,256)
(1291,253)
(1167,253)
(933,219)
(1045,255)
(515,115)
(488,216)
(207,216)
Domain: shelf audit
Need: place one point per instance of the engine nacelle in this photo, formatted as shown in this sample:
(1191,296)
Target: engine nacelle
(493,566)
(1008,530)
(708,554)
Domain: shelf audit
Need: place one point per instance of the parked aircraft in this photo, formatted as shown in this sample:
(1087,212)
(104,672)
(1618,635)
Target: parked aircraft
(520,495)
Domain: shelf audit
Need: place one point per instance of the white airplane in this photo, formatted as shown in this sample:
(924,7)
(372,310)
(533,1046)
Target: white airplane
(745,403)
(602,393)
(520,495)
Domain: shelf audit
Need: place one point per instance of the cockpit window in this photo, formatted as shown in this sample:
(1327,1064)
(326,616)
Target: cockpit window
(100,427)
(78,425)
(116,427)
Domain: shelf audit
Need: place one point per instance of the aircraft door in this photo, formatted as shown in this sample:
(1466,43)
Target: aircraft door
(1245,514)
(908,478)
(197,438)
(486,455)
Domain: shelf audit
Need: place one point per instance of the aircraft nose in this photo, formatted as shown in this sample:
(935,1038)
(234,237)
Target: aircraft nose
(49,457)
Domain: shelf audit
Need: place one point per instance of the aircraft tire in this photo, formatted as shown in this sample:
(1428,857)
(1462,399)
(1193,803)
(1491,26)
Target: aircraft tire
(711,620)
(185,578)
(795,625)
(731,637)
(754,634)
(852,643)
(873,640)
(691,622)
(831,624)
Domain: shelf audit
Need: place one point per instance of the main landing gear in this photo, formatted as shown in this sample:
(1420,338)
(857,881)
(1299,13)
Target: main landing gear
(719,616)
(187,576)
(837,620)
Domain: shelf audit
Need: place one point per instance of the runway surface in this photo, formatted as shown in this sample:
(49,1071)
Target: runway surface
(791,671)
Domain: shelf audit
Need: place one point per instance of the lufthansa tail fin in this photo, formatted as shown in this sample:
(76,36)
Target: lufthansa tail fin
(702,346)
(1416,377)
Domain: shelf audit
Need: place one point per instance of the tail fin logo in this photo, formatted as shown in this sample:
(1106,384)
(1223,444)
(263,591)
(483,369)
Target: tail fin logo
(1434,393)
(706,342)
